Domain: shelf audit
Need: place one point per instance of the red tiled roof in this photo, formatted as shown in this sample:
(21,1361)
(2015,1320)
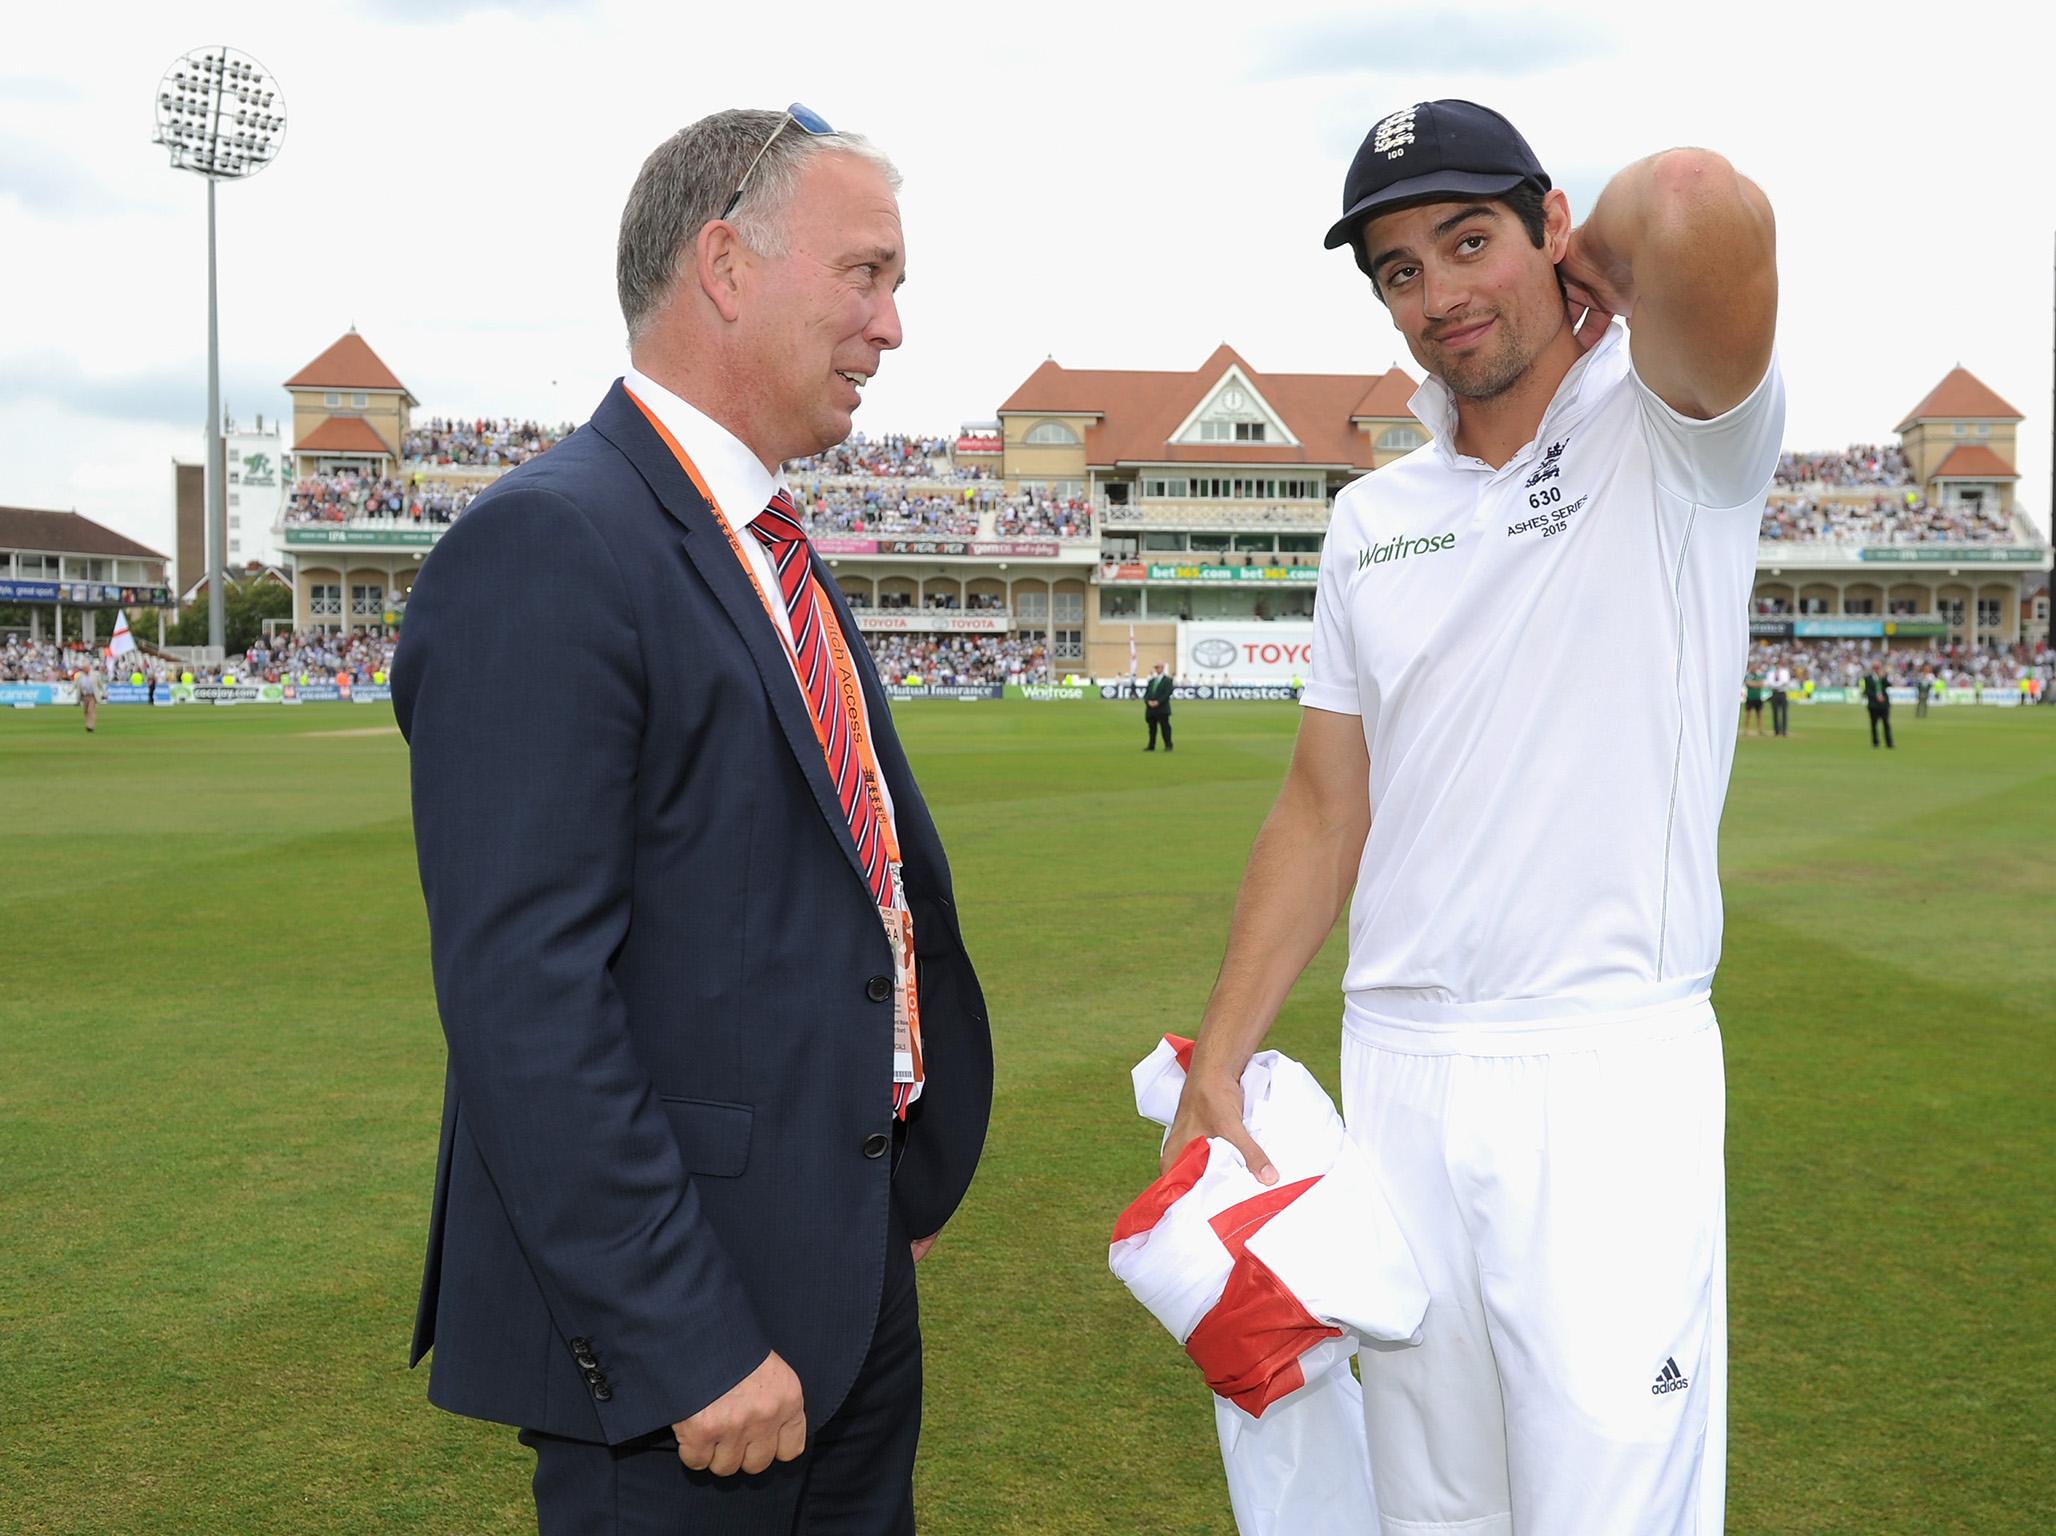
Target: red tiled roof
(349,364)
(1387,398)
(1961,396)
(1139,410)
(343,434)
(1974,461)
(66,533)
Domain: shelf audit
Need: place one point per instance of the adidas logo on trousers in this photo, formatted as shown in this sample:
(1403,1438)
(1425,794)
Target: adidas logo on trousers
(1670,1379)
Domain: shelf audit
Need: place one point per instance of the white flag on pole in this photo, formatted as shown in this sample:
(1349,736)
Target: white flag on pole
(123,642)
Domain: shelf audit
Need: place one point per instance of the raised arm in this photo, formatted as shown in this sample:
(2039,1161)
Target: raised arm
(1684,247)
(1299,877)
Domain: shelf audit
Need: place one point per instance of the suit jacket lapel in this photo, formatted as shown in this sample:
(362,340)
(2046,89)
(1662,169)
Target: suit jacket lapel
(623,424)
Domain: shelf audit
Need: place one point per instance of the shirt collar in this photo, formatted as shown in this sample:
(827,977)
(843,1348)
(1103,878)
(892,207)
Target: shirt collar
(1434,403)
(740,484)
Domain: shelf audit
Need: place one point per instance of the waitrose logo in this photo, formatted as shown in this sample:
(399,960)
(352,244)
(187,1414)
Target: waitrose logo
(1403,546)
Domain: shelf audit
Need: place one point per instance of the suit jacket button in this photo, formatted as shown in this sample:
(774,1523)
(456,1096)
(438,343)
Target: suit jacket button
(602,1392)
(876,1143)
(581,1346)
(878,988)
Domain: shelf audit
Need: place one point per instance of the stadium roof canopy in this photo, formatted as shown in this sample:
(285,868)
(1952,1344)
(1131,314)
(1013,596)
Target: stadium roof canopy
(1146,417)
(1961,396)
(343,434)
(350,364)
(66,533)
(254,570)
(1974,461)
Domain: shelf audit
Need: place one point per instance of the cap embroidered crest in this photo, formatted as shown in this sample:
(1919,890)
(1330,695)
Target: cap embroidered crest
(1391,137)
(1432,151)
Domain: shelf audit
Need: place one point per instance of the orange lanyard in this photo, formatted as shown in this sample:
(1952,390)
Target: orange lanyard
(849,688)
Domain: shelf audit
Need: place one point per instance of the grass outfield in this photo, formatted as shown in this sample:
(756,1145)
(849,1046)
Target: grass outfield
(217,1134)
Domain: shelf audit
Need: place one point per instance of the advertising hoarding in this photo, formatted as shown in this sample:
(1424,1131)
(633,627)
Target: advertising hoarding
(1245,650)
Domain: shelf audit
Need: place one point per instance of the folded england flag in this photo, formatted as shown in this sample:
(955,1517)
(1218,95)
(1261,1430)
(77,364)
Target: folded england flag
(1271,1288)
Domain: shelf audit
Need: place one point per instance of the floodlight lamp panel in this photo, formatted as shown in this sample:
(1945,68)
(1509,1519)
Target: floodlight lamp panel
(221,112)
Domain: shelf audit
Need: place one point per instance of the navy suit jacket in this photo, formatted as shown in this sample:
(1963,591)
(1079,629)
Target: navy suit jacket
(655,958)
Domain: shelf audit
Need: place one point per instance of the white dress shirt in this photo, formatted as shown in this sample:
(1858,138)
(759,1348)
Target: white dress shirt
(741,488)
(741,485)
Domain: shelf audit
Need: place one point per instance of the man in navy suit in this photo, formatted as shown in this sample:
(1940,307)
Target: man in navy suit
(719,1068)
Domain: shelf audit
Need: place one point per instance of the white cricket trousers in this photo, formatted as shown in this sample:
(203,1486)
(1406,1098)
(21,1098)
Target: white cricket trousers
(1561,1183)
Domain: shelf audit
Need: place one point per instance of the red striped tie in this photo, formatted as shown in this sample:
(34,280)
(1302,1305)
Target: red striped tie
(778,529)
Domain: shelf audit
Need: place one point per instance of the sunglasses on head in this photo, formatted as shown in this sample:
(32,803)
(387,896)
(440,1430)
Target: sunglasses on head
(801,117)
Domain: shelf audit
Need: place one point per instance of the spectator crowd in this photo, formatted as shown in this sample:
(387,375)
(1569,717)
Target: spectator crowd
(887,509)
(315,654)
(483,443)
(1843,663)
(319,655)
(1905,519)
(959,659)
(367,656)
(23,660)
(935,602)
(1036,517)
(349,498)
(896,455)
(1858,464)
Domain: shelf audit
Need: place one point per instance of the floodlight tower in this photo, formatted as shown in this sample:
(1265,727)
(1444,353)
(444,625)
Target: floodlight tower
(221,115)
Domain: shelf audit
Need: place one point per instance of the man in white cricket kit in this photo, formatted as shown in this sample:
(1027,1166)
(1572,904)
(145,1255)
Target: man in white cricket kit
(1529,1053)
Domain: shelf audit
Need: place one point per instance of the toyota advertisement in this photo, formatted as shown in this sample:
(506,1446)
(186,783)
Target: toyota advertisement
(1245,651)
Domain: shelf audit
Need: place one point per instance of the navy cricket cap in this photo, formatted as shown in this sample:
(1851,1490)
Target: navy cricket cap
(1432,150)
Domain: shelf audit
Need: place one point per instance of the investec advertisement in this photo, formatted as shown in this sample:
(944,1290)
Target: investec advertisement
(1245,650)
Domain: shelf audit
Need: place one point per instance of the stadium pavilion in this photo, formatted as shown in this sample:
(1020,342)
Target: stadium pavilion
(351,417)
(1109,519)
(1926,544)
(51,561)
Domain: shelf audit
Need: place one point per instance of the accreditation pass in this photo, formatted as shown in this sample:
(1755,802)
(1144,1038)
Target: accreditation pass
(906,995)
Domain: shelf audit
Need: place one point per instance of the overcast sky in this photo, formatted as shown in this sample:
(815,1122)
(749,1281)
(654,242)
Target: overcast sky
(1117,186)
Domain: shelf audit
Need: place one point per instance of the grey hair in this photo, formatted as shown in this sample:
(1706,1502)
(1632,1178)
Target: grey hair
(687,181)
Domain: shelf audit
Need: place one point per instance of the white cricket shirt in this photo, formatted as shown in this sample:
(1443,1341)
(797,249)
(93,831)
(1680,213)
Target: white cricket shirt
(1545,657)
